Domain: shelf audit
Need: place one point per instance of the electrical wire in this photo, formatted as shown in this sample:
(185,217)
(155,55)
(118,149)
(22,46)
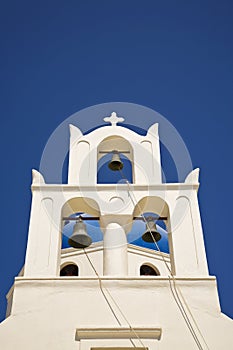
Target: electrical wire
(176,289)
(107,301)
(101,288)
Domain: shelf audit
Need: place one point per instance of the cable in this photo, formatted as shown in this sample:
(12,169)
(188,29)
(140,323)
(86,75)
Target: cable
(101,288)
(113,312)
(185,316)
(178,300)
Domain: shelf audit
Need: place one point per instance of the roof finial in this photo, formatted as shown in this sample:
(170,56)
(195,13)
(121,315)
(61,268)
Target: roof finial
(113,119)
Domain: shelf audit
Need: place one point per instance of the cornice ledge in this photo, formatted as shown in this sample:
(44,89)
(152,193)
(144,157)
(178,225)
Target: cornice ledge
(107,187)
(116,278)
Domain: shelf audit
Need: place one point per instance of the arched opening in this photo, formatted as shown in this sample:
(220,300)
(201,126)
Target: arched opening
(105,151)
(139,227)
(106,175)
(69,270)
(148,270)
(92,228)
(156,204)
(70,214)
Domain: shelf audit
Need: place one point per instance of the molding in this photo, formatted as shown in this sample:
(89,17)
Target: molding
(108,187)
(118,333)
(114,279)
(118,348)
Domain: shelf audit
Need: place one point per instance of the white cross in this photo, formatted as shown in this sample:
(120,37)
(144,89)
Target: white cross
(113,119)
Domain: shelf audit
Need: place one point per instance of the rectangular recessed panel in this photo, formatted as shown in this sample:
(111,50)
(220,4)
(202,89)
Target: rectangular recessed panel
(118,333)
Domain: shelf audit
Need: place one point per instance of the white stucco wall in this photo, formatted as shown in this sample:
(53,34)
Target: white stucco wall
(47,312)
(116,307)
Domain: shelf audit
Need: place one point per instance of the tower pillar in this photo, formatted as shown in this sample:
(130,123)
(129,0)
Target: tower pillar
(115,250)
(187,251)
(44,237)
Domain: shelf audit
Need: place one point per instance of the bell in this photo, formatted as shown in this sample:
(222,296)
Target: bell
(79,237)
(151,230)
(116,163)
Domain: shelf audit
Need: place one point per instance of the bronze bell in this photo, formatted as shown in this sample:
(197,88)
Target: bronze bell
(151,230)
(116,163)
(80,237)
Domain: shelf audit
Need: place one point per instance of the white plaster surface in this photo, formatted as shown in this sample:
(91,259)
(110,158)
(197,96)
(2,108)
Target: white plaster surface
(47,311)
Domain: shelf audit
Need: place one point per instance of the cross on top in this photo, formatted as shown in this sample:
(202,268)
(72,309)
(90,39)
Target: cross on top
(113,119)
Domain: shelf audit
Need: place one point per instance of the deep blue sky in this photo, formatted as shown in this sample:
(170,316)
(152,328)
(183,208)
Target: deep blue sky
(175,57)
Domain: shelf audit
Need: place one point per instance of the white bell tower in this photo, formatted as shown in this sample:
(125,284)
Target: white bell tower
(111,294)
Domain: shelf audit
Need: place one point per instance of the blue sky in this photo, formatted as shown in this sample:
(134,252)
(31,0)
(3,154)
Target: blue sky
(175,57)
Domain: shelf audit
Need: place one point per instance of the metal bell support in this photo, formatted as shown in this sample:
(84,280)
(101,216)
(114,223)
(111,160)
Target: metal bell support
(80,237)
(151,230)
(116,163)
